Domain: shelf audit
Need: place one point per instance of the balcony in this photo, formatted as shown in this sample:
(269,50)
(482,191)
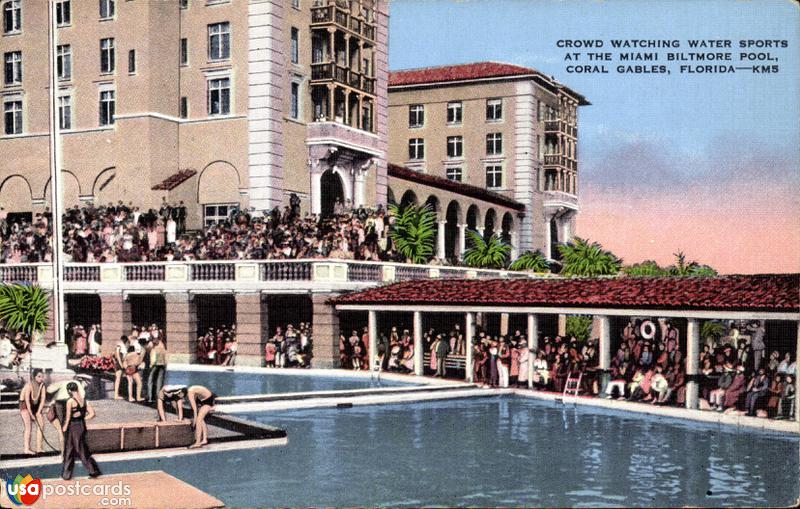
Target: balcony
(337,133)
(238,275)
(330,71)
(560,126)
(337,12)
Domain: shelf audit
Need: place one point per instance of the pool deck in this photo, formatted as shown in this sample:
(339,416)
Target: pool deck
(148,490)
(221,430)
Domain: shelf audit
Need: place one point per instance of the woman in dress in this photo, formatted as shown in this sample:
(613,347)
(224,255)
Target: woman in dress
(31,404)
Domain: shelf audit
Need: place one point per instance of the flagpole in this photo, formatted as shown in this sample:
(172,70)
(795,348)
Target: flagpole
(56,186)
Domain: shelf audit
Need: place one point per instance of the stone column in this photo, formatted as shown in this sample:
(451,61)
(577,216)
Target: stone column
(469,333)
(504,324)
(565,227)
(419,363)
(373,338)
(692,362)
(359,185)
(562,325)
(462,240)
(115,318)
(249,329)
(533,344)
(325,323)
(480,230)
(316,190)
(181,327)
(440,248)
(604,333)
(514,246)
(548,240)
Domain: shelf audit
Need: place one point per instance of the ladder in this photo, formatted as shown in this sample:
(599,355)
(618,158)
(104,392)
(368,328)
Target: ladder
(572,386)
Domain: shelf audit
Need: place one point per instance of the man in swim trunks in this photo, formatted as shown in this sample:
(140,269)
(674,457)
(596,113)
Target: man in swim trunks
(202,402)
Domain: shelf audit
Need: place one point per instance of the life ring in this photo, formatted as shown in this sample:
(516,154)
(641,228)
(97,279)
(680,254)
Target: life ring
(648,329)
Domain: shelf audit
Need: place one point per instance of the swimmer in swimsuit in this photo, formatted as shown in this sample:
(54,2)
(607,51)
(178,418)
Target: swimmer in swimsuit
(202,402)
(31,404)
(173,394)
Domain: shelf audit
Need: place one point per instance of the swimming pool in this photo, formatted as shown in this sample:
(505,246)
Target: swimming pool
(506,451)
(242,383)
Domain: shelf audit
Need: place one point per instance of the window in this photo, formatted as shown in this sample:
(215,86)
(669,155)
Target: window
(454,112)
(295,45)
(106,9)
(454,173)
(219,41)
(416,115)
(64,61)
(13,116)
(296,4)
(184,107)
(12,16)
(132,61)
(107,106)
(63,13)
(65,112)
(494,144)
(219,96)
(184,4)
(494,110)
(494,176)
(218,213)
(107,64)
(455,146)
(13,68)
(184,51)
(416,148)
(295,113)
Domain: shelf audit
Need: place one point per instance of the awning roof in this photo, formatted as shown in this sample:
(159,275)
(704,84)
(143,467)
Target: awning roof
(771,293)
(174,180)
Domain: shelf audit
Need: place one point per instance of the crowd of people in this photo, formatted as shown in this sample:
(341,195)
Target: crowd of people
(290,347)
(647,366)
(218,346)
(124,233)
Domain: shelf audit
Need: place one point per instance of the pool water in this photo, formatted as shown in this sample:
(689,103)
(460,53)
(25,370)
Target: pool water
(495,451)
(240,384)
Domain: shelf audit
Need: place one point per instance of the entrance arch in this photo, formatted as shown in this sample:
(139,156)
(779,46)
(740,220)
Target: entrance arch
(473,217)
(453,217)
(409,198)
(332,190)
(507,227)
(490,223)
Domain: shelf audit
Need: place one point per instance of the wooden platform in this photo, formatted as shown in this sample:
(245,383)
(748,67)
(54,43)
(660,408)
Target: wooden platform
(155,489)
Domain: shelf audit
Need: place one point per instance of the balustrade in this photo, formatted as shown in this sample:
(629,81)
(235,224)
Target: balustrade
(286,271)
(81,273)
(213,272)
(18,273)
(360,272)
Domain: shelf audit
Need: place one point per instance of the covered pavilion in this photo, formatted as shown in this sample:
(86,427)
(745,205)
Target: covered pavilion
(693,299)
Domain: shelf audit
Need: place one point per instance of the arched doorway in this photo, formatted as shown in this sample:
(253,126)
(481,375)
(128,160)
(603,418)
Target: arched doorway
(409,198)
(507,228)
(489,223)
(390,197)
(332,191)
(473,217)
(453,217)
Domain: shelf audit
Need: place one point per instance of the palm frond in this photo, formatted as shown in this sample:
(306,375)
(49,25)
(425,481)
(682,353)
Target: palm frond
(490,253)
(533,261)
(24,308)
(583,258)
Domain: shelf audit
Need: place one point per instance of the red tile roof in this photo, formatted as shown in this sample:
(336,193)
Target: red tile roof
(766,293)
(460,72)
(404,173)
(449,74)
(174,180)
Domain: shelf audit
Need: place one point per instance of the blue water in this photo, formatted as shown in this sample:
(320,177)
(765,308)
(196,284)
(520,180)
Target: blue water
(240,384)
(497,451)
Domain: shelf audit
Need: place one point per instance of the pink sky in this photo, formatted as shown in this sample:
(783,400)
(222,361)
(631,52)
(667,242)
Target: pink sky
(733,204)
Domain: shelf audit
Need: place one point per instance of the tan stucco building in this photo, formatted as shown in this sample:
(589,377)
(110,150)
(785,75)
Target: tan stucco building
(505,128)
(211,102)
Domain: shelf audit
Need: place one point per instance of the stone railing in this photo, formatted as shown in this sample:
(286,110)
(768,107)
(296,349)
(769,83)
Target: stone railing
(251,272)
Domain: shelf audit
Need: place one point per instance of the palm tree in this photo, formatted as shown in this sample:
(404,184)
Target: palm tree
(645,268)
(681,267)
(490,253)
(712,330)
(582,258)
(413,231)
(533,261)
(579,326)
(24,308)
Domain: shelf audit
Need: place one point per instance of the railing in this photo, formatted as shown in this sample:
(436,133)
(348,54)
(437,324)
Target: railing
(552,125)
(341,13)
(27,273)
(358,272)
(321,71)
(286,271)
(237,272)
